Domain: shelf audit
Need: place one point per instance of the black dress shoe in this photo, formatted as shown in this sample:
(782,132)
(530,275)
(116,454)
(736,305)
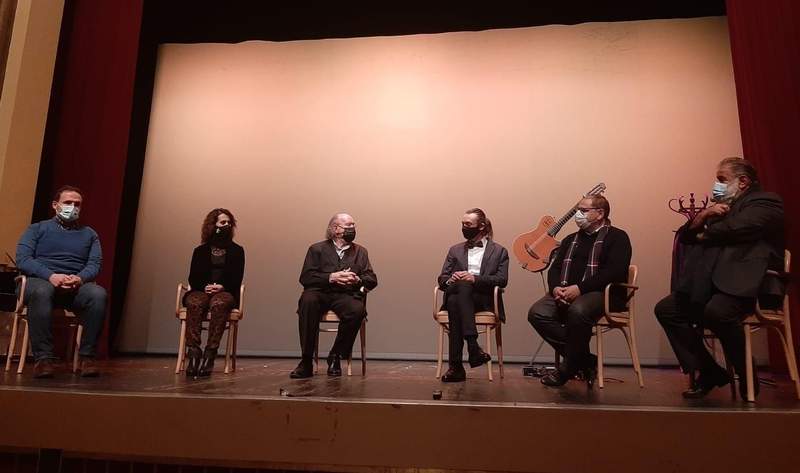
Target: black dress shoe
(334,365)
(305,369)
(455,374)
(207,365)
(705,383)
(478,357)
(554,379)
(44,368)
(89,368)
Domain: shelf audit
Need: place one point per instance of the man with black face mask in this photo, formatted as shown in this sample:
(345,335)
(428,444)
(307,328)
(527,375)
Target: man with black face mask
(586,262)
(469,275)
(336,276)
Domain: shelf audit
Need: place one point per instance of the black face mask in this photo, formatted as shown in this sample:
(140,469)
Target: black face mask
(349,234)
(222,235)
(470,232)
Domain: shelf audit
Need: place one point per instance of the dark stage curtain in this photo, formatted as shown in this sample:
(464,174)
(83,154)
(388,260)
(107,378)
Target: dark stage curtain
(86,140)
(765,45)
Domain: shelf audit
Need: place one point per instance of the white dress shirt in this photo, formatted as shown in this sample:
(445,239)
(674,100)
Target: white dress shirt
(340,251)
(475,257)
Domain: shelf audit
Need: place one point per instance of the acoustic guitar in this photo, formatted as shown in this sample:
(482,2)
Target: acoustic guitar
(535,248)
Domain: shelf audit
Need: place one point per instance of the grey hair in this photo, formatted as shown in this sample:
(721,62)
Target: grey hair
(331,224)
(741,167)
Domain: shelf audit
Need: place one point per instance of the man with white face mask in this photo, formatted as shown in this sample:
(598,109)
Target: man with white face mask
(730,247)
(586,262)
(61,258)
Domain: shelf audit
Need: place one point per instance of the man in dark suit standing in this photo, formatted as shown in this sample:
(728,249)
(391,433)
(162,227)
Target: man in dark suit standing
(587,261)
(732,244)
(336,276)
(469,275)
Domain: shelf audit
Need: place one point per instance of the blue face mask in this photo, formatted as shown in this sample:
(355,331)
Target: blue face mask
(720,192)
(68,213)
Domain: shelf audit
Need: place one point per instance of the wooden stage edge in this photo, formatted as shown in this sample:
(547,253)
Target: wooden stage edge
(220,424)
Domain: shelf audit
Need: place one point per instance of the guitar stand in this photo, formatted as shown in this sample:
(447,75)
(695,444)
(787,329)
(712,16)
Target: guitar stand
(533,371)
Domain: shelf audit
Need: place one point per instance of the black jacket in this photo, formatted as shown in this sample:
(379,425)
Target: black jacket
(494,272)
(233,273)
(736,250)
(322,260)
(615,257)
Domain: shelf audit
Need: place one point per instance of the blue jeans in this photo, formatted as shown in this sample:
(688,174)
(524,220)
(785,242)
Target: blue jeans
(88,303)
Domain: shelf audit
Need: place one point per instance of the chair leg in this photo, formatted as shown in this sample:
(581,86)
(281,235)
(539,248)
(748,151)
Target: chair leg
(748,357)
(440,352)
(363,347)
(181,348)
(600,373)
(23,351)
(73,332)
(350,365)
(489,350)
(235,345)
(12,342)
(498,336)
(228,344)
(631,341)
(316,356)
(75,357)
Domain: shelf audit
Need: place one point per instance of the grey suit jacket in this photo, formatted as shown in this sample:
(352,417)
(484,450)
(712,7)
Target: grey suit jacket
(494,271)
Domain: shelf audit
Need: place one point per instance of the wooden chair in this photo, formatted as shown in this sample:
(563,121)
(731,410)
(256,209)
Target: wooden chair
(490,320)
(21,317)
(232,326)
(623,321)
(330,317)
(778,319)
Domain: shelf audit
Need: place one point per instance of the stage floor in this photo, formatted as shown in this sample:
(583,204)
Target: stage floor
(400,381)
(139,410)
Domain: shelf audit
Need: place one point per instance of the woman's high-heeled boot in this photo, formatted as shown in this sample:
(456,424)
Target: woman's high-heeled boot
(208,363)
(193,357)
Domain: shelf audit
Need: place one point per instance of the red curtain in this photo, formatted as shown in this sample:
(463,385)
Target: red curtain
(765,46)
(86,142)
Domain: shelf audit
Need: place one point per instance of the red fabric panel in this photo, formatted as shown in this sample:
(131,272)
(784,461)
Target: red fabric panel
(765,46)
(98,53)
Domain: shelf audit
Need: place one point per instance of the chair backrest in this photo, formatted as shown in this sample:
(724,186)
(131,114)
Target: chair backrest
(633,275)
(22,281)
(787,261)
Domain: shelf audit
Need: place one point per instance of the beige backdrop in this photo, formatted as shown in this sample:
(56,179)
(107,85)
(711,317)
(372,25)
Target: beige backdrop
(407,132)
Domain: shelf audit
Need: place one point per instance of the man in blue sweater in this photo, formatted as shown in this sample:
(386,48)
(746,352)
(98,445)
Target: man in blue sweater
(61,259)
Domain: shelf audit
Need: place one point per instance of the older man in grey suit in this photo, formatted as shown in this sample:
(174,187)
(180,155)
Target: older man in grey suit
(469,275)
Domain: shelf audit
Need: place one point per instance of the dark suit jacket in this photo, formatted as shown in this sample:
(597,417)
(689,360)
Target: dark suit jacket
(737,249)
(322,260)
(200,270)
(494,272)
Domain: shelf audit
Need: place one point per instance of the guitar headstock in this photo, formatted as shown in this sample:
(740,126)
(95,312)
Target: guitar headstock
(596,190)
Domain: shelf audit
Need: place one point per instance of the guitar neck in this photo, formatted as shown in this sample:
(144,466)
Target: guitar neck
(556,227)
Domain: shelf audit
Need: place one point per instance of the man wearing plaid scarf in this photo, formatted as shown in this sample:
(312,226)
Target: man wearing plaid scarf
(586,262)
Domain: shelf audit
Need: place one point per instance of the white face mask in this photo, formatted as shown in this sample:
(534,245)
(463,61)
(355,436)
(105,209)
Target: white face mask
(723,192)
(68,213)
(581,220)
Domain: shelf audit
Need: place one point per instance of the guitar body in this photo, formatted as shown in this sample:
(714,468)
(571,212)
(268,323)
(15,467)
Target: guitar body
(535,248)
